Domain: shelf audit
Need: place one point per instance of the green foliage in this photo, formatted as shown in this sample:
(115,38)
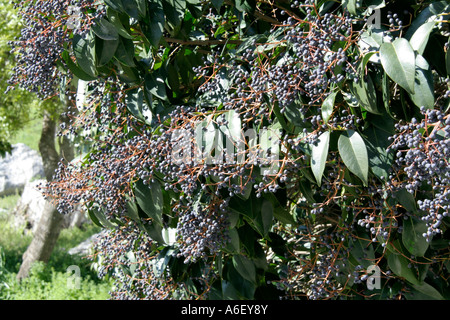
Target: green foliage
(360,114)
(49,281)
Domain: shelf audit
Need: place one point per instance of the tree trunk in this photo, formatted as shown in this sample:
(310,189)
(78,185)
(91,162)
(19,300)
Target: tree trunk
(50,224)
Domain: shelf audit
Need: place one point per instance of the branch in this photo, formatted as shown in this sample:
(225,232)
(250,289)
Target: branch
(202,42)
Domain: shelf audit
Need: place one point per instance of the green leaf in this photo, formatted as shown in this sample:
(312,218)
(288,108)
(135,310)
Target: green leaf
(447,61)
(353,152)
(233,128)
(328,106)
(423,291)
(279,211)
(150,199)
(169,235)
(114,4)
(424,84)
(245,267)
(419,39)
(246,5)
(99,218)
(399,62)
(84,51)
(153,27)
(142,7)
(155,84)
(205,135)
(154,230)
(217,4)
(105,30)
(350,5)
(125,52)
(319,156)
(412,237)
(114,19)
(407,200)
(174,11)
(364,91)
(234,244)
(130,7)
(105,50)
(362,251)
(75,69)
(399,265)
(267,211)
(428,14)
(135,103)
(133,211)
(370,42)
(380,160)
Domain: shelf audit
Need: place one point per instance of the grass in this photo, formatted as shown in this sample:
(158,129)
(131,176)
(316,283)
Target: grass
(51,281)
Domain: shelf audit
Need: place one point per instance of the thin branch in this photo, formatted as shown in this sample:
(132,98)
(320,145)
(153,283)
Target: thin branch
(202,42)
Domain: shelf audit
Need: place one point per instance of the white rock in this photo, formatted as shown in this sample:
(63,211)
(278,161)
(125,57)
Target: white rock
(18,168)
(84,248)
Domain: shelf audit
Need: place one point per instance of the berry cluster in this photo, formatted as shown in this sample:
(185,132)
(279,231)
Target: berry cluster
(422,154)
(43,38)
(202,230)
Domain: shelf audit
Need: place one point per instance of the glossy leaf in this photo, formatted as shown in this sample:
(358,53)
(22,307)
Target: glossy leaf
(370,42)
(412,236)
(105,30)
(353,152)
(377,142)
(267,213)
(399,62)
(155,84)
(428,14)
(217,4)
(135,103)
(245,267)
(424,291)
(125,52)
(351,6)
(153,27)
(131,8)
(174,11)
(114,19)
(364,91)
(399,265)
(150,199)
(75,69)
(84,50)
(319,156)
(328,106)
(406,199)
(105,50)
(419,39)
(424,84)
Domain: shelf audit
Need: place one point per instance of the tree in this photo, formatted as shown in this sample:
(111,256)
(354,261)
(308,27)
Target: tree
(13,115)
(15,110)
(253,149)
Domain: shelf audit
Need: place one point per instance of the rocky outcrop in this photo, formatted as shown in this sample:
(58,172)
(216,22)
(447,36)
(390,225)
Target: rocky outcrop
(85,247)
(18,168)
